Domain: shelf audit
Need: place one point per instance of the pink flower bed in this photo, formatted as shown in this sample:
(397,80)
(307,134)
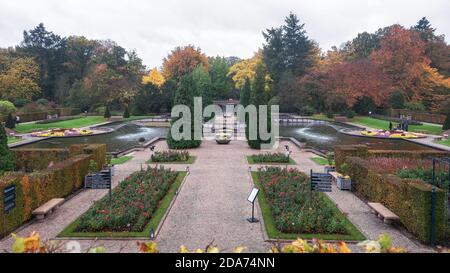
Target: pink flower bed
(393,165)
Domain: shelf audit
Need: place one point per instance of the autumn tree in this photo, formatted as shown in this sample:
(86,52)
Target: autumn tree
(182,61)
(245,69)
(154,77)
(20,79)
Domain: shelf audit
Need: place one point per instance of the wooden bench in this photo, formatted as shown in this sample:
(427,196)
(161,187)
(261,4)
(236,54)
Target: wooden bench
(47,208)
(384,213)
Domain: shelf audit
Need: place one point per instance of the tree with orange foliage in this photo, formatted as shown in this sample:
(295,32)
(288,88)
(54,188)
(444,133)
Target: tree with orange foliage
(354,80)
(182,61)
(402,57)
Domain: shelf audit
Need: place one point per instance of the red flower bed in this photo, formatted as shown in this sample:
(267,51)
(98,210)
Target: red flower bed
(394,165)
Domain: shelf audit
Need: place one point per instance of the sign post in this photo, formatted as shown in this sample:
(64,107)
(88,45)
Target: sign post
(251,198)
(98,181)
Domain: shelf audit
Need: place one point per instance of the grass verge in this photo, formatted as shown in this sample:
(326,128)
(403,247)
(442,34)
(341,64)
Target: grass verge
(384,124)
(11,140)
(320,160)
(273,233)
(69,231)
(191,160)
(121,160)
(67,124)
(251,161)
(445,142)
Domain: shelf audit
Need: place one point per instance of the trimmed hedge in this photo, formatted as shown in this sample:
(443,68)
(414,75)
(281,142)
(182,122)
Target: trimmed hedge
(419,116)
(29,160)
(343,151)
(35,189)
(410,199)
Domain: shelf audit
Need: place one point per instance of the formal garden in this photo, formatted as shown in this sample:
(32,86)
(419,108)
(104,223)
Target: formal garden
(89,149)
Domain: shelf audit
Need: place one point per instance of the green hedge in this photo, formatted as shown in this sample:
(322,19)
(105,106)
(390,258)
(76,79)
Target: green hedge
(409,199)
(34,189)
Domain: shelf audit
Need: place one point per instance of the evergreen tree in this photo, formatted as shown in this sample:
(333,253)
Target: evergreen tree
(126,113)
(258,97)
(425,30)
(185,96)
(107,112)
(6,157)
(245,94)
(10,122)
(446,125)
(221,85)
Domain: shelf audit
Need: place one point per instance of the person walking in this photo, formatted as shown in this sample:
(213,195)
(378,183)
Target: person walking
(390,125)
(17,119)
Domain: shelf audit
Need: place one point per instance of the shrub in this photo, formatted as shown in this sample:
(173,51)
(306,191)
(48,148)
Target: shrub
(330,115)
(397,100)
(270,158)
(393,165)
(293,209)
(6,157)
(93,167)
(181,144)
(10,122)
(330,158)
(426,174)
(170,156)
(126,113)
(32,159)
(415,106)
(42,101)
(20,102)
(107,114)
(7,107)
(134,201)
(307,110)
(350,114)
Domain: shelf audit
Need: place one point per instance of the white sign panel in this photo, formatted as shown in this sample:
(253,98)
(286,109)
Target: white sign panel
(253,195)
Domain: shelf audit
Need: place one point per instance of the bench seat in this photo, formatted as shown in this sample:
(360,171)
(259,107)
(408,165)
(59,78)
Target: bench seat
(47,207)
(384,213)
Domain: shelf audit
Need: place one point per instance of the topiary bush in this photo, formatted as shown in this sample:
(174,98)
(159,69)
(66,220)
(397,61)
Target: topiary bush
(7,107)
(126,113)
(10,122)
(170,156)
(107,113)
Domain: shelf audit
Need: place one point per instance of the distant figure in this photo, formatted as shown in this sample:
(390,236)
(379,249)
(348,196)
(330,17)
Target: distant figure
(390,126)
(17,119)
(406,126)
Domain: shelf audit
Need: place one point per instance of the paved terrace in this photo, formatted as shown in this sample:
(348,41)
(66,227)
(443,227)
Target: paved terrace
(212,205)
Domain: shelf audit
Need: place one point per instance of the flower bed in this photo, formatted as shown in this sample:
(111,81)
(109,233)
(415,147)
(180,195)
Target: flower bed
(136,201)
(392,134)
(289,210)
(393,165)
(62,133)
(172,157)
(276,158)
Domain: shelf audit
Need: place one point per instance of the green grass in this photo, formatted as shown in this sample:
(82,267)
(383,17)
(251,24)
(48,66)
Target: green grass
(384,124)
(121,160)
(251,161)
(353,233)
(67,124)
(69,231)
(13,140)
(320,160)
(322,117)
(191,160)
(445,142)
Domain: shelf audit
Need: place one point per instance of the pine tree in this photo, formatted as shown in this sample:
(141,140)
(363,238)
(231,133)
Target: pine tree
(6,157)
(107,113)
(10,122)
(126,113)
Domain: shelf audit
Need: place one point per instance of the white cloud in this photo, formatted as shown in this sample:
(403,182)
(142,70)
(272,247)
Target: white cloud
(226,28)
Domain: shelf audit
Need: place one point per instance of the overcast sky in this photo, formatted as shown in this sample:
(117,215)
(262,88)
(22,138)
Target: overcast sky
(225,28)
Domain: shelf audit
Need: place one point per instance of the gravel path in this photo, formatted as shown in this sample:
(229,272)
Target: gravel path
(212,205)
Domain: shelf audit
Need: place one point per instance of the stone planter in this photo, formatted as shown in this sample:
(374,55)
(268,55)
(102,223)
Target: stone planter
(344,184)
(223,141)
(328,169)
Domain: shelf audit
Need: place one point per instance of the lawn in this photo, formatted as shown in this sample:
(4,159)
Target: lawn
(121,160)
(13,140)
(322,117)
(384,124)
(250,160)
(353,234)
(445,142)
(67,124)
(154,222)
(320,160)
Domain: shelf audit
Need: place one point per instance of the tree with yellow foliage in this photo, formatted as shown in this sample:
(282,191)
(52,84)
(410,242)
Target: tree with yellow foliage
(244,70)
(154,77)
(20,80)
